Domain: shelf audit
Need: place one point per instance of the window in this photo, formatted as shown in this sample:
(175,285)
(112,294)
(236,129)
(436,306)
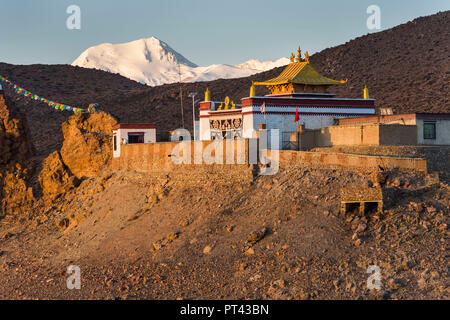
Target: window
(115,143)
(429,130)
(136,137)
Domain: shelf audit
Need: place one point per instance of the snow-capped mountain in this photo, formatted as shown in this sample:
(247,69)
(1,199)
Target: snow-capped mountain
(153,62)
(263,65)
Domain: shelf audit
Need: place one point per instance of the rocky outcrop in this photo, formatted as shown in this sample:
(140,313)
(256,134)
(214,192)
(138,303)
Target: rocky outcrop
(15,194)
(87,147)
(85,152)
(55,178)
(14,145)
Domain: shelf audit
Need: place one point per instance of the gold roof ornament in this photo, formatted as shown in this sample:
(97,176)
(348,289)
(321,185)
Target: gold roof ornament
(207,95)
(220,107)
(233,105)
(252,90)
(292,57)
(299,76)
(366,92)
(299,73)
(227,103)
(299,55)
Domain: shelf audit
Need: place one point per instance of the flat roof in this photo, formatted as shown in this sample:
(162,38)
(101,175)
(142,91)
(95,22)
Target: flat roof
(380,118)
(134,126)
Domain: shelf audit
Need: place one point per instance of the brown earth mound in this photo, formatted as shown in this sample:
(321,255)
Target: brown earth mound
(406,67)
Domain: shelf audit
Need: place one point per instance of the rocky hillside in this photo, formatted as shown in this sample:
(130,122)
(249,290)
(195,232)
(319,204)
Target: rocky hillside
(279,237)
(154,236)
(406,67)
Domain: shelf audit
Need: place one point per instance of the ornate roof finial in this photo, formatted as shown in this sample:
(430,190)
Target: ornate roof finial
(307,57)
(252,90)
(299,55)
(207,95)
(292,58)
(365,92)
(227,102)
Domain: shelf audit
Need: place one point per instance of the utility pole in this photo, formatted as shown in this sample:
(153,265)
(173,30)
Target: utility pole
(181,96)
(193,94)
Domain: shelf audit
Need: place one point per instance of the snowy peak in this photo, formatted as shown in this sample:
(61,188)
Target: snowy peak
(153,62)
(263,65)
(157,49)
(142,50)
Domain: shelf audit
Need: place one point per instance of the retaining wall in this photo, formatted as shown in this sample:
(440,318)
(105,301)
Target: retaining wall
(176,157)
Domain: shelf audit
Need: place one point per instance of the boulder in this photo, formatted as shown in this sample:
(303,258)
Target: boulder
(55,178)
(87,146)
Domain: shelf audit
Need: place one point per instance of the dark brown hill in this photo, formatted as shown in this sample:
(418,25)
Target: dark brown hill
(406,67)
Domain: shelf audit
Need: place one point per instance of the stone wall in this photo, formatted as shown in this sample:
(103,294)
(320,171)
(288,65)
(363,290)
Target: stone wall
(398,135)
(357,135)
(192,166)
(159,158)
(350,161)
(438,158)
(165,156)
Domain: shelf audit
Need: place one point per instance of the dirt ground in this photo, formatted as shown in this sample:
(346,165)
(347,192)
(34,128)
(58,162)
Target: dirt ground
(280,237)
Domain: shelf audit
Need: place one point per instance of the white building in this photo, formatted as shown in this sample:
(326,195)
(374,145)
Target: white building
(432,128)
(131,133)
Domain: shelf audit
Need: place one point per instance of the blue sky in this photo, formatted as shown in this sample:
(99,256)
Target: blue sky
(204,31)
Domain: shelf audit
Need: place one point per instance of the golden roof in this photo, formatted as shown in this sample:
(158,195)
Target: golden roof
(301,73)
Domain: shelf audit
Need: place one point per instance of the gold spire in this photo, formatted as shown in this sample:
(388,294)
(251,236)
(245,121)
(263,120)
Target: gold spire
(252,90)
(292,58)
(299,55)
(207,95)
(307,57)
(227,103)
(366,92)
